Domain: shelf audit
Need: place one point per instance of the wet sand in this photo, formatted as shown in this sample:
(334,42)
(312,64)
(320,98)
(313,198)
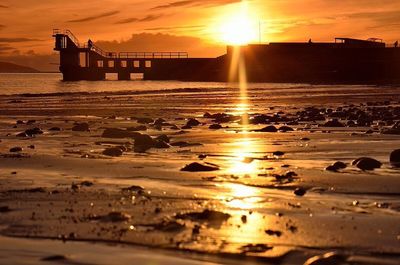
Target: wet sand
(256,193)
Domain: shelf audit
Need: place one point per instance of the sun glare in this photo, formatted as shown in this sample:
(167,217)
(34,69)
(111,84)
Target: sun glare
(238,27)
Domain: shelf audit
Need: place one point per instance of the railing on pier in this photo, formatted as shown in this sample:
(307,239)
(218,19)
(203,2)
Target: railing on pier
(152,55)
(121,55)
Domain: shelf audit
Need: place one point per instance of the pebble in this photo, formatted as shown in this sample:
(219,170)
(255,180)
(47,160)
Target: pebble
(333,123)
(197,167)
(278,153)
(273,232)
(206,215)
(300,192)
(270,128)
(81,127)
(395,158)
(336,166)
(113,151)
(215,126)
(56,129)
(192,123)
(116,133)
(285,129)
(34,131)
(15,149)
(366,163)
(116,217)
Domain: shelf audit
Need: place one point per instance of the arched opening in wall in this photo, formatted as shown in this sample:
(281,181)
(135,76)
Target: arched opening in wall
(137,76)
(111,76)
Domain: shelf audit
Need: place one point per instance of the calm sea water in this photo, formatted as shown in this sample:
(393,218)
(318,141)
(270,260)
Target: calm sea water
(11,84)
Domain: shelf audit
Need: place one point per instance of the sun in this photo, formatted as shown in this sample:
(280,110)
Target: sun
(238,26)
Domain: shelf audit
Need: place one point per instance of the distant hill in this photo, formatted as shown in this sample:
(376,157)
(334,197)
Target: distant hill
(15,68)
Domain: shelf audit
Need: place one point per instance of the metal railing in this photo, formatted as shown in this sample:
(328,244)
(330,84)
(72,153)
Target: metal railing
(121,55)
(152,55)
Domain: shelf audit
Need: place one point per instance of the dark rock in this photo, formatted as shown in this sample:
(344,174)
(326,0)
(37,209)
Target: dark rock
(118,133)
(333,123)
(305,139)
(366,163)
(145,120)
(86,183)
(336,166)
(16,149)
(169,226)
(300,192)
(193,122)
(160,144)
(197,167)
(278,153)
(163,137)
(116,217)
(270,128)
(34,131)
(205,216)
(30,122)
(20,122)
(255,248)
(5,209)
(159,122)
(134,188)
(285,129)
(55,129)
(137,128)
(215,127)
(81,127)
(31,146)
(22,134)
(55,258)
(273,232)
(184,144)
(113,151)
(395,158)
(143,142)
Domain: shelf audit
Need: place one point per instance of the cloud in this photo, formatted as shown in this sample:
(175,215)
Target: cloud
(49,62)
(144,19)
(183,3)
(2,26)
(4,48)
(17,40)
(90,18)
(3,6)
(194,27)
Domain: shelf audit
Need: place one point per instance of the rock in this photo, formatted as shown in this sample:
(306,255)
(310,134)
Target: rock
(137,128)
(134,188)
(336,166)
(143,142)
(170,226)
(215,127)
(30,122)
(205,216)
(278,153)
(395,158)
(34,131)
(184,144)
(15,149)
(333,123)
(270,128)
(116,217)
(366,163)
(160,144)
(118,133)
(305,139)
(326,259)
(255,248)
(20,122)
(163,137)
(300,192)
(159,122)
(145,120)
(113,151)
(5,209)
(273,232)
(55,129)
(285,129)
(81,127)
(197,167)
(193,122)
(86,183)
(22,134)
(57,258)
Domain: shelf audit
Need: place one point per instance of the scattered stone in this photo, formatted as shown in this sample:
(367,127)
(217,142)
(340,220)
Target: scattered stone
(197,167)
(134,188)
(273,233)
(81,127)
(20,122)
(333,123)
(366,163)
(55,129)
(336,166)
(210,216)
(145,120)
(113,151)
(116,217)
(15,149)
(160,144)
(115,133)
(31,146)
(395,158)
(55,258)
(170,226)
(184,144)
(244,219)
(193,122)
(278,153)
(270,128)
(300,192)
(22,134)
(255,248)
(86,183)
(137,128)
(215,126)
(34,131)
(163,137)
(326,259)
(305,139)
(143,142)
(285,129)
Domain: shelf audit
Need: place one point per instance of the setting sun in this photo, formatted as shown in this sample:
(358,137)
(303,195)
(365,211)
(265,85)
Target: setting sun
(238,27)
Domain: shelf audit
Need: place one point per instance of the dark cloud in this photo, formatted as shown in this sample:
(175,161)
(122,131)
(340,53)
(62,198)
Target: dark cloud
(2,26)
(196,3)
(194,27)
(144,19)
(90,18)
(3,6)
(7,40)
(4,48)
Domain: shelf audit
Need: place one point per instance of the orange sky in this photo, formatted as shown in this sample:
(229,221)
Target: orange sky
(26,25)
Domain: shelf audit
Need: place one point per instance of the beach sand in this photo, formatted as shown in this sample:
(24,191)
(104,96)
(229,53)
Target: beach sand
(255,196)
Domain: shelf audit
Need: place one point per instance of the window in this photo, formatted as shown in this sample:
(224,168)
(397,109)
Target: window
(111,64)
(148,64)
(100,63)
(136,64)
(124,64)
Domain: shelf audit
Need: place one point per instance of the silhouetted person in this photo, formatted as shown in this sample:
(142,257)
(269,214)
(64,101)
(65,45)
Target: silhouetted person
(309,41)
(90,44)
(396,44)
